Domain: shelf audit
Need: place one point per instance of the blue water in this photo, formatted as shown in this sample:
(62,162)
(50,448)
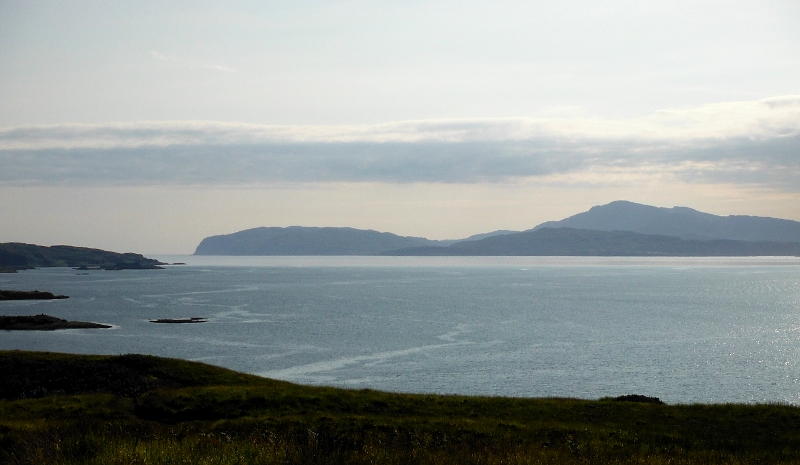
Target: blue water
(684,330)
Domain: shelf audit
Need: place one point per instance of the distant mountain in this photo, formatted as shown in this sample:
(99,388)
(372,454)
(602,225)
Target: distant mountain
(299,240)
(618,228)
(474,237)
(477,237)
(583,242)
(682,222)
(18,256)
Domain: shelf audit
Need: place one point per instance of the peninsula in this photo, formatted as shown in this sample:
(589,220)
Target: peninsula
(43,322)
(29,295)
(16,256)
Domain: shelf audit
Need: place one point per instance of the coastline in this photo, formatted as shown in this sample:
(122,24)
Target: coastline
(459,261)
(44,322)
(29,295)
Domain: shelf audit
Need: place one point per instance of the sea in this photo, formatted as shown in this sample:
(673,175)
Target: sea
(685,330)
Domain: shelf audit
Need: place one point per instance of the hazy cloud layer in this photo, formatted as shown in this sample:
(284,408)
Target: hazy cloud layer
(191,64)
(740,142)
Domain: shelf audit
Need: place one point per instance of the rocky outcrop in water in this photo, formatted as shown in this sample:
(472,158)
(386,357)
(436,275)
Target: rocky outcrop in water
(43,323)
(29,295)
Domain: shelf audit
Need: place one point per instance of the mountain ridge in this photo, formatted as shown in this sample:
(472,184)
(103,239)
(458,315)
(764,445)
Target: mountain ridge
(311,240)
(683,222)
(652,231)
(566,241)
(301,240)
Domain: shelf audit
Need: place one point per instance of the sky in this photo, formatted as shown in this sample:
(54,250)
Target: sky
(141,126)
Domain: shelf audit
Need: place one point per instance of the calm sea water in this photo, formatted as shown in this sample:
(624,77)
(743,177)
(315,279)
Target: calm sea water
(684,330)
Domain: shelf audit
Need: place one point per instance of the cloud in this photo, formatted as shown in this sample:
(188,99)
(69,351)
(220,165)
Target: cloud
(739,142)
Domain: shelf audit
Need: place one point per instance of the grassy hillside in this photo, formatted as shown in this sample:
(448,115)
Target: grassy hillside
(63,409)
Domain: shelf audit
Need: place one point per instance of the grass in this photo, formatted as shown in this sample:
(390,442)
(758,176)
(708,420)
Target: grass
(150,410)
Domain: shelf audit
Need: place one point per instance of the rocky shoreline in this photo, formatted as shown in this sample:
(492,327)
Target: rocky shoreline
(16,256)
(29,295)
(44,322)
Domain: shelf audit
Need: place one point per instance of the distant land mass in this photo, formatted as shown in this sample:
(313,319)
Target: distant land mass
(18,256)
(29,295)
(682,222)
(586,242)
(299,240)
(43,323)
(620,228)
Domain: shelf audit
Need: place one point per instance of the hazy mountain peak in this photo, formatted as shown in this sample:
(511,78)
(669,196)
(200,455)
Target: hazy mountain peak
(684,222)
(638,229)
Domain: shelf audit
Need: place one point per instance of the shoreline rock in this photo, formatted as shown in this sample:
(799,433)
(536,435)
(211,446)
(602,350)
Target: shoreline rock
(29,295)
(44,322)
(194,319)
(15,256)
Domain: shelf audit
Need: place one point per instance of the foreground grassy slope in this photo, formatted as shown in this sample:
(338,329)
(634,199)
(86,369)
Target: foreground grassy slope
(140,409)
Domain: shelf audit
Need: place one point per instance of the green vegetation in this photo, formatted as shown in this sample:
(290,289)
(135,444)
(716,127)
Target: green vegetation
(69,409)
(18,256)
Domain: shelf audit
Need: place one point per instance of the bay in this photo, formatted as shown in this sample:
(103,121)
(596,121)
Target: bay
(684,330)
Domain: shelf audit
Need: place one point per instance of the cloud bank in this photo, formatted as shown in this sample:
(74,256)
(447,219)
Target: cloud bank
(738,142)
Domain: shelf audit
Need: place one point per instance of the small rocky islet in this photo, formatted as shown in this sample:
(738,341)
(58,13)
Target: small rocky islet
(194,319)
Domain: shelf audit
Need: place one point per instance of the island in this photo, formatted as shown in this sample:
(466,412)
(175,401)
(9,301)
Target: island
(194,319)
(44,322)
(15,256)
(29,295)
